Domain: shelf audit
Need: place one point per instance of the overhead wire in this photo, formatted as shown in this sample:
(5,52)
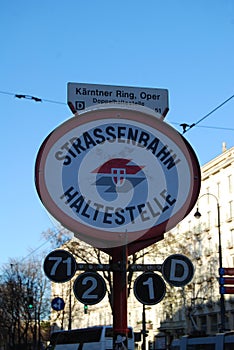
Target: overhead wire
(186,127)
(56,233)
(30,97)
(40,246)
(206,126)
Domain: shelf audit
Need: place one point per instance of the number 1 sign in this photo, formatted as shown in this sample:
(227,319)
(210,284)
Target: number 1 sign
(149,288)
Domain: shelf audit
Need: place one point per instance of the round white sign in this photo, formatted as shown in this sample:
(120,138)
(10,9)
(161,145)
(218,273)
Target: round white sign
(117,176)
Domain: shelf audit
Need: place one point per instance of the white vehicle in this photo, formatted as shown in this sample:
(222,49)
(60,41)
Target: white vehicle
(220,341)
(91,338)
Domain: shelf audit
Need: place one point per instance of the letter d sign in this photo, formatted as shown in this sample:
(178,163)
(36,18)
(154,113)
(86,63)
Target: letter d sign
(178,270)
(80,105)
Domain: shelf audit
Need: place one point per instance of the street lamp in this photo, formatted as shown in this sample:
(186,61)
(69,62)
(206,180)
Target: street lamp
(222,302)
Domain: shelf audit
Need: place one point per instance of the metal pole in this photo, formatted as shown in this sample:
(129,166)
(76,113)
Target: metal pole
(143,347)
(222,301)
(70,310)
(120,323)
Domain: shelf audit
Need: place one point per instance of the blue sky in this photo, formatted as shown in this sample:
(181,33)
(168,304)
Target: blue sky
(184,46)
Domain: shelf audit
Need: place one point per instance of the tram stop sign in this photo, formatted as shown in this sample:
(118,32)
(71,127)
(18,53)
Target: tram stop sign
(117,176)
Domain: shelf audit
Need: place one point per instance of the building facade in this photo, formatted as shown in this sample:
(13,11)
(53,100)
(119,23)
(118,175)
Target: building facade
(194,308)
(197,306)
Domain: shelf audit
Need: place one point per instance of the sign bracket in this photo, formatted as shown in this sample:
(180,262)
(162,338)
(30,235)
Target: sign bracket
(118,266)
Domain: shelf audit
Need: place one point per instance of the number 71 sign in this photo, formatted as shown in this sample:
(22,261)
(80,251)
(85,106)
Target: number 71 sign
(59,266)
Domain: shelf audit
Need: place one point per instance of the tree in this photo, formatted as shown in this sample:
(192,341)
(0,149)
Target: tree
(24,303)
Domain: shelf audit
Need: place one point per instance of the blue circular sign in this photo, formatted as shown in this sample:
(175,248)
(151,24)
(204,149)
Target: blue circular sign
(57,304)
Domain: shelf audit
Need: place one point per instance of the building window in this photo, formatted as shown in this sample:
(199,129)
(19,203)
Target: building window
(230,183)
(208,221)
(230,241)
(213,323)
(208,197)
(218,189)
(203,324)
(232,321)
(230,210)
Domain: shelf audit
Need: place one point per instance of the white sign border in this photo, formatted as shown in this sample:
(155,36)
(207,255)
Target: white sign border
(83,231)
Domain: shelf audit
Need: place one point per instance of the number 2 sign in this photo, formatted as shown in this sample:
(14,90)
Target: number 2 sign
(59,266)
(89,288)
